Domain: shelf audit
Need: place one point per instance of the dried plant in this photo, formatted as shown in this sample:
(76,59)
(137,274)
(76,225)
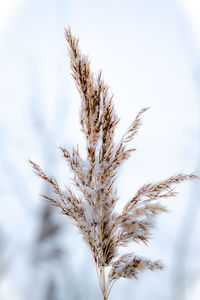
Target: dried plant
(103,229)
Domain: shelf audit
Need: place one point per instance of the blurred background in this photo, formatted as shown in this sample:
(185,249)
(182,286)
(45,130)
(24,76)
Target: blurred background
(149,53)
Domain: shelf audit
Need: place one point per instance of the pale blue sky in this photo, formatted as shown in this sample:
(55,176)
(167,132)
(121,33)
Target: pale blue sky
(149,57)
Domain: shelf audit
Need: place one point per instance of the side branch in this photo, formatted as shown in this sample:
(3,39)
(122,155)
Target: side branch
(152,192)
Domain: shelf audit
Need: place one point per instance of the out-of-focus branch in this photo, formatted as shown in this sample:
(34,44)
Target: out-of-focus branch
(4,262)
(181,274)
(16,179)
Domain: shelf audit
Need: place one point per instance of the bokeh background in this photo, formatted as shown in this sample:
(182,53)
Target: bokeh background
(149,53)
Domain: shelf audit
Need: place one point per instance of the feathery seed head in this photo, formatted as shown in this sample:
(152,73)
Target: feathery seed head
(93,212)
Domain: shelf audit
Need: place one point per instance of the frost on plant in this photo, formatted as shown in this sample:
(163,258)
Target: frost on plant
(94,211)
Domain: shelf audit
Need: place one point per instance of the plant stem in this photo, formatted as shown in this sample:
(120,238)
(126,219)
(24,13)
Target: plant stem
(104,287)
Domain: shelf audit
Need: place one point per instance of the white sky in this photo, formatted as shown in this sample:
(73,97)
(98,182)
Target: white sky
(192,11)
(7,7)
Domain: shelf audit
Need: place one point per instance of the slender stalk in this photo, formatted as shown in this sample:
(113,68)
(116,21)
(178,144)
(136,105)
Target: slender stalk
(104,287)
(110,286)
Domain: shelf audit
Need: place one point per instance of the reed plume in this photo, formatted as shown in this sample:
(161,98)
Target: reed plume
(103,229)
